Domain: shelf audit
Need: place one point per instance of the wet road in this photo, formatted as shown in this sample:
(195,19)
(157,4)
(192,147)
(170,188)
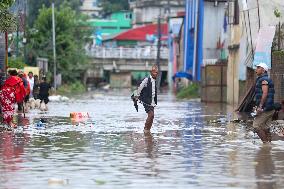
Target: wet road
(110,150)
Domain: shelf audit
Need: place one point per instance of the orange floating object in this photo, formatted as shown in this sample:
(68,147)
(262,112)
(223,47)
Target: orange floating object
(79,115)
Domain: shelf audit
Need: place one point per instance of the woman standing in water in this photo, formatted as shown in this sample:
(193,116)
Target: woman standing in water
(12,92)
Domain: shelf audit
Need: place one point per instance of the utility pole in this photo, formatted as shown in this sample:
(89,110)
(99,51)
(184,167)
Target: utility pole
(17,32)
(195,49)
(54,47)
(6,53)
(159,51)
(258,13)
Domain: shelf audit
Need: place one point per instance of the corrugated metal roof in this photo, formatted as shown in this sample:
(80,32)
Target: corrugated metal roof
(140,33)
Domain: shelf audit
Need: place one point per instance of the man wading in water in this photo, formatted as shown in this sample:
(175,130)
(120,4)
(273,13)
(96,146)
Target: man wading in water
(147,94)
(264,97)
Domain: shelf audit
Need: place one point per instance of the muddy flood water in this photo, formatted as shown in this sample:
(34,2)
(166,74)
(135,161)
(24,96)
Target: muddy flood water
(110,150)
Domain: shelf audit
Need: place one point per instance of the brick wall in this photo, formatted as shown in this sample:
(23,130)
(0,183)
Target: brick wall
(277,75)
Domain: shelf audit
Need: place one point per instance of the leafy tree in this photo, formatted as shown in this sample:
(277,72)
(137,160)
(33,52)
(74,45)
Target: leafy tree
(8,20)
(36,5)
(110,6)
(4,4)
(70,40)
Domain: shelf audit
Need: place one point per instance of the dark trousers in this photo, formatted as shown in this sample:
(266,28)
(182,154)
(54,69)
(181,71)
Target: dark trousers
(149,121)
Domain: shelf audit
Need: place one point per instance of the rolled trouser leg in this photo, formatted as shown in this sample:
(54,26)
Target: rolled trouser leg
(261,125)
(262,135)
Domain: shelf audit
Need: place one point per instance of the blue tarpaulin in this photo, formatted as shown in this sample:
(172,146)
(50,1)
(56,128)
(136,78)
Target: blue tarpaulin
(182,75)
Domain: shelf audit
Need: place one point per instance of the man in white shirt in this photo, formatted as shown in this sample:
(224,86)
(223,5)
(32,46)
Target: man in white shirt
(31,81)
(147,94)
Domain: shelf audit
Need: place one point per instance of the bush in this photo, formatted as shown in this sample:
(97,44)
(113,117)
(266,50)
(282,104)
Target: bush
(71,89)
(16,63)
(192,91)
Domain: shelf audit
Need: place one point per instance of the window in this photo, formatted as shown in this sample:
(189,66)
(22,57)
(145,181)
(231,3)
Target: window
(95,3)
(233,11)
(124,28)
(128,16)
(109,27)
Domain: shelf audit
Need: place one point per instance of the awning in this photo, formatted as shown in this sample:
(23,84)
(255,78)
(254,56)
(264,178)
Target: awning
(182,75)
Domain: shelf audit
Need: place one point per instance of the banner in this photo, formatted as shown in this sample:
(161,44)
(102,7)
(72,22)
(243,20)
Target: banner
(263,46)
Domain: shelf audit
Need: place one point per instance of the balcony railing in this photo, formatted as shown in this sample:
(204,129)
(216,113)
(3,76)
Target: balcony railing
(127,53)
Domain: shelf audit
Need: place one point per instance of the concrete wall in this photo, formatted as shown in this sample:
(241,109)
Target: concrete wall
(120,80)
(147,11)
(88,8)
(214,83)
(250,17)
(127,64)
(233,64)
(277,76)
(213,26)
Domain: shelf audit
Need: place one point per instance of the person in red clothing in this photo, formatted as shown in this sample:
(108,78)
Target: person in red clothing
(23,76)
(12,91)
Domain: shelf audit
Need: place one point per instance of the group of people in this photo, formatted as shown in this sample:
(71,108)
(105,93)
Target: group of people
(19,89)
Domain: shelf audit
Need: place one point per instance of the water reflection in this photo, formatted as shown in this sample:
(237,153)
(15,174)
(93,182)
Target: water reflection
(265,168)
(12,148)
(192,140)
(149,144)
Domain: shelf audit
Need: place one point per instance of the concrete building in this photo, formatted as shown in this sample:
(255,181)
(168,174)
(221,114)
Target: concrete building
(147,11)
(91,7)
(114,24)
(246,19)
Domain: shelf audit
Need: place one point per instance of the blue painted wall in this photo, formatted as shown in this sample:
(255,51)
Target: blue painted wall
(189,38)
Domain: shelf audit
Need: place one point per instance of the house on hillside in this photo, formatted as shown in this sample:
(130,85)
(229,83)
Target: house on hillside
(114,24)
(147,11)
(91,7)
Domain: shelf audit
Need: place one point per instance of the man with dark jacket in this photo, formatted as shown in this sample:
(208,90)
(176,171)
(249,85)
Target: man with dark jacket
(264,98)
(44,90)
(147,94)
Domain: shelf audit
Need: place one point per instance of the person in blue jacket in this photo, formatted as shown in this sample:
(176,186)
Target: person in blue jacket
(264,99)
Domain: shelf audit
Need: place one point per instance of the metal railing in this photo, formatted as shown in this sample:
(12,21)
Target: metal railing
(127,53)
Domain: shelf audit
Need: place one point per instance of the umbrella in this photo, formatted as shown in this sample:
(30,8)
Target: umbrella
(135,102)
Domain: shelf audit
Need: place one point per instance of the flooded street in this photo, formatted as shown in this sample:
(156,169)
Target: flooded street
(110,150)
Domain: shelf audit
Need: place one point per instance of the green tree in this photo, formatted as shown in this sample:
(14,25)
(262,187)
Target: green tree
(70,40)
(110,6)
(36,5)
(8,20)
(4,4)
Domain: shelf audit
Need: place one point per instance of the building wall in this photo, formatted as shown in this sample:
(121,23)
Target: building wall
(277,76)
(117,23)
(251,22)
(120,80)
(233,64)
(91,7)
(213,26)
(147,11)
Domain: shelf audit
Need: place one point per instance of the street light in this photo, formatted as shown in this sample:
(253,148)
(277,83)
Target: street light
(54,47)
